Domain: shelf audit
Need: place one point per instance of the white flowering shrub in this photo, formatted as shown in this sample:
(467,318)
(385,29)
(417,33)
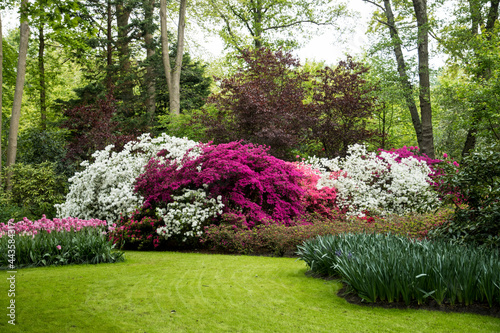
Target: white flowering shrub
(188,213)
(105,188)
(377,183)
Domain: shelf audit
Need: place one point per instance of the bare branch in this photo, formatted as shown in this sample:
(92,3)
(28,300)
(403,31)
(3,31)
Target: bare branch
(375,4)
(295,23)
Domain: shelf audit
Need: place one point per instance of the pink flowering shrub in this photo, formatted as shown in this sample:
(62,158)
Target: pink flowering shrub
(320,201)
(249,182)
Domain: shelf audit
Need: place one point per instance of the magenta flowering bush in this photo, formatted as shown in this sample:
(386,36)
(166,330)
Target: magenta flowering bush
(245,178)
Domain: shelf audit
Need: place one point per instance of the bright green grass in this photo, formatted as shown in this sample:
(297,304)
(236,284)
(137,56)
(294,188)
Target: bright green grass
(178,292)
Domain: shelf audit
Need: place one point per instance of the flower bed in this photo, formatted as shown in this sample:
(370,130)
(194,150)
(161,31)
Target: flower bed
(55,242)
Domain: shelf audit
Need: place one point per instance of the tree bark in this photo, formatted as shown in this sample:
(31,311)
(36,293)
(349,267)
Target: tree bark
(405,81)
(18,93)
(125,87)
(150,51)
(427,147)
(109,49)
(41,68)
(1,95)
(173,75)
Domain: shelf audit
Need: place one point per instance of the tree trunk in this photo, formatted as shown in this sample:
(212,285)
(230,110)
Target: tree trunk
(125,87)
(420,7)
(405,81)
(257,26)
(109,49)
(150,51)
(173,75)
(1,95)
(18,94)
(41,68)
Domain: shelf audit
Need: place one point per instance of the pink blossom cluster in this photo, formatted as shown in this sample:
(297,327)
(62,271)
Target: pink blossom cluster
(320,201)
(31,228)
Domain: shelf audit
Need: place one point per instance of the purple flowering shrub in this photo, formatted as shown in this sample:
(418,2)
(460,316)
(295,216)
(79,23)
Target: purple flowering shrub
(251,184)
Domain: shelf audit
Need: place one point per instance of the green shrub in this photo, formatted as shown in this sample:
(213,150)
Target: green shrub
(393,268)
(478,182)
(35,190)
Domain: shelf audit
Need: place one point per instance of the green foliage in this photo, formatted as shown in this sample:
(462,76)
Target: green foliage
(373,266)
(185,125)
(36,146)
(194,84)
(87,246)
(36,188)
(9,210)
(270,23)
(478,182)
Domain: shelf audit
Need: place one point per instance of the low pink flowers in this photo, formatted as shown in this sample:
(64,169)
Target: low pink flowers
(27,227)
(58,247)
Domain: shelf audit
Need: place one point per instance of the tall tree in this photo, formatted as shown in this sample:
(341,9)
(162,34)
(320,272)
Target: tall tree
(150,52)
(427,144)
(1,94)
(471,39)
(21,73)
(173,73)
(422,122)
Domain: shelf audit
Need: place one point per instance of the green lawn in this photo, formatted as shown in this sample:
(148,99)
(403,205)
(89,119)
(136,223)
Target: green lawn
(179,292)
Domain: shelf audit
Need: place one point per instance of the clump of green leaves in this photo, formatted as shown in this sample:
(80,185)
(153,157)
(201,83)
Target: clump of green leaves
(36,188)
(478,182)
(394,268)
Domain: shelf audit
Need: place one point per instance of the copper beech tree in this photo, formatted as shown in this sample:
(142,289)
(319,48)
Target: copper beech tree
(268,101)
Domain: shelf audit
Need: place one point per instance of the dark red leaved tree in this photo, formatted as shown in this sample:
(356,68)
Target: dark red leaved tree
(93,128)
(262,103)
(343,105)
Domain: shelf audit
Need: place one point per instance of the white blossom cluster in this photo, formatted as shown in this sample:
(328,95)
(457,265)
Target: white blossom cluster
(379,185)
(188,213)
(105,188)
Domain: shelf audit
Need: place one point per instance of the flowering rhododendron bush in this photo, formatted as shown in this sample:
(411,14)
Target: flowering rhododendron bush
(378,184)
(104,189)
(232,178)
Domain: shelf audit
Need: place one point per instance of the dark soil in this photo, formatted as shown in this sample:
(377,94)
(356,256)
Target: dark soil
(476,308)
